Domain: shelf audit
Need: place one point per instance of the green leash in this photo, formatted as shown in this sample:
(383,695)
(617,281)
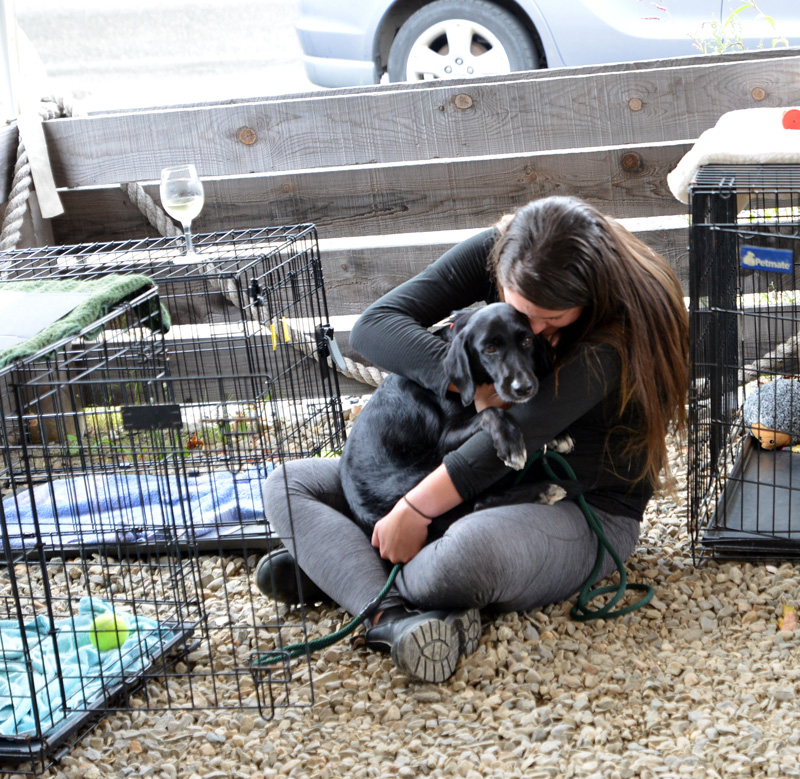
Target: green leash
(305,647)
(579,612)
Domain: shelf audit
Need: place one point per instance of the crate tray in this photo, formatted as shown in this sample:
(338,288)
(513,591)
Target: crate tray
(758,514)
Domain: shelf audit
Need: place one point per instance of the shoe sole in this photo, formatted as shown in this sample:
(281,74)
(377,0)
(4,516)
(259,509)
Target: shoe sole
(431,650)
(468,625)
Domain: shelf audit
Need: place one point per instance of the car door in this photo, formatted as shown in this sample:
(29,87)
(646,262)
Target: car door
(587,31)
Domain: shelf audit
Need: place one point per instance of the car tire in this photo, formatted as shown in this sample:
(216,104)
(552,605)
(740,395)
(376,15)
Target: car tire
(498,42)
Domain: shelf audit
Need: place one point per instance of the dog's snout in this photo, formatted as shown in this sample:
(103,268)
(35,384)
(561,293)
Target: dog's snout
(524,388)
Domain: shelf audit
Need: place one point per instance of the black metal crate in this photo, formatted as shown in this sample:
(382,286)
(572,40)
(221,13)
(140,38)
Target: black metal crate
(120,416)
(745,322)
(54,682)
(252,302)
(247,354)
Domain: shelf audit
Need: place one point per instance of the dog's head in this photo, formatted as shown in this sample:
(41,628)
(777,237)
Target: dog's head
(495,345)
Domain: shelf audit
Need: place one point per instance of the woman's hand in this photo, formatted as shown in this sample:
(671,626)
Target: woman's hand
(403,531)
(486,396)
(400,534)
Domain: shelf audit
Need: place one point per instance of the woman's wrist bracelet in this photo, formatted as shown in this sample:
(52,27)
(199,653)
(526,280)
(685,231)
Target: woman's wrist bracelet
(405,498)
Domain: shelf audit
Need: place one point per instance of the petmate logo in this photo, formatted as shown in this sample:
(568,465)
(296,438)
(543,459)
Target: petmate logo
(758,258)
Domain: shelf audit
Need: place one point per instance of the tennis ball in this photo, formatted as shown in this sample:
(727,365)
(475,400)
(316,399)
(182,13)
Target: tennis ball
(109,631)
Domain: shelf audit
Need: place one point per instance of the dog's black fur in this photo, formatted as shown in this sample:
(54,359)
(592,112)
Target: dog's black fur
(405,430)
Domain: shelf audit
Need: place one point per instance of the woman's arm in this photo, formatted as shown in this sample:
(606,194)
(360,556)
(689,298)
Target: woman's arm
(402,532)
(393,332)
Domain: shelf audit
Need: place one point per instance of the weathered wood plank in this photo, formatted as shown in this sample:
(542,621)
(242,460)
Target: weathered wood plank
(414,197)
(581,70)
(356,277)
(618,107)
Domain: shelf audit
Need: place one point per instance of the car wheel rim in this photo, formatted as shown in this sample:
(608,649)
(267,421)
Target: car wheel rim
(456,48)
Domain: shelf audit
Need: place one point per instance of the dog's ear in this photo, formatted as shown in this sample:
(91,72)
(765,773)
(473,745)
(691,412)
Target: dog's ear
(458,321)
(457,366)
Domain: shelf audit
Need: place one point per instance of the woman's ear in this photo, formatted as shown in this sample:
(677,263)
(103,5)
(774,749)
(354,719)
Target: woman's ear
(457,366)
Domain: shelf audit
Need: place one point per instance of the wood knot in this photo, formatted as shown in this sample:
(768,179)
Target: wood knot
(247,136)
(758,93)
(631,161)
(462,102)
(635,104)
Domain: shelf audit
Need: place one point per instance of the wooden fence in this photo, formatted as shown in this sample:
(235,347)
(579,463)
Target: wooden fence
(393,175)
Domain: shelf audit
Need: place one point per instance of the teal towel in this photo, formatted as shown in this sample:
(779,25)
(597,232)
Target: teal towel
(104,294)
(85,671)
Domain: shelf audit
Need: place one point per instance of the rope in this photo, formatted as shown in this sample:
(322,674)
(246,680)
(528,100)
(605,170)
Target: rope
(21,185)
(305,647)
(22,182)
(151,210)
(366,374)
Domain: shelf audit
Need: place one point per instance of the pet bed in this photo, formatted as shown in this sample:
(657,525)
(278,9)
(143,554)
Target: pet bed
(730,141)
(53,677)
(206,511)
(37,314)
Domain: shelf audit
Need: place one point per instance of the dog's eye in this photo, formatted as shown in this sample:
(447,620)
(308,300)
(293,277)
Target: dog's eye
(490,348)
(527,341)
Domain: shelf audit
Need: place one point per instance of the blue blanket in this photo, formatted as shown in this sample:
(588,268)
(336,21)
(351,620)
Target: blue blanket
(129,508)
(85,673)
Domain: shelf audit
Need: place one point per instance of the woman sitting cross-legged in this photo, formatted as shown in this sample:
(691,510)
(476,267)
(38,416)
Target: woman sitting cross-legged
(613,310)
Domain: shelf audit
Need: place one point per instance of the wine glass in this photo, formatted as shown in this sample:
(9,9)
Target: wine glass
(182,197)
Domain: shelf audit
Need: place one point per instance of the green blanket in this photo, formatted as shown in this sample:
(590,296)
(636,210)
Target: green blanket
(88,301)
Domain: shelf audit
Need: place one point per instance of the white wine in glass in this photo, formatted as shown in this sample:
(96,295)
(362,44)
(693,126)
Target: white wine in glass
(182,197)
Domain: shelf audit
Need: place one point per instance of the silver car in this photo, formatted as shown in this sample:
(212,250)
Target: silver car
(358,42)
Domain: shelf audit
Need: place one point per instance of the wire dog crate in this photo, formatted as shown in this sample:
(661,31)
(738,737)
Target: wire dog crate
(744,499)
(54,680)
(253,301)
(143,492)
(250,310)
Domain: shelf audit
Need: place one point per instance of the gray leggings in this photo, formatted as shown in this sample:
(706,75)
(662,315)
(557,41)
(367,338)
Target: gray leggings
(511,558)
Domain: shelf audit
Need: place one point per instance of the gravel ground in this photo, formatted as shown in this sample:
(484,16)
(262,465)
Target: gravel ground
(701,682)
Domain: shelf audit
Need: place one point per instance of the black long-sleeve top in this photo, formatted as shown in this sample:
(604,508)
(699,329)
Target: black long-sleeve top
(581,399)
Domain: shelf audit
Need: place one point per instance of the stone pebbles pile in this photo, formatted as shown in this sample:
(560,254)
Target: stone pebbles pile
(702,682)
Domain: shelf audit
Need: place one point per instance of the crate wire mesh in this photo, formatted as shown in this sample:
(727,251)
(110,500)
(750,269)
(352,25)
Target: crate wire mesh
(231,396)
(745,318)
(53,682)
(252,303)
(250,311)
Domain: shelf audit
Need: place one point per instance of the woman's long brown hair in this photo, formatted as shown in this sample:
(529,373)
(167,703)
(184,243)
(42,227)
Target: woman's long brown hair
(560,252)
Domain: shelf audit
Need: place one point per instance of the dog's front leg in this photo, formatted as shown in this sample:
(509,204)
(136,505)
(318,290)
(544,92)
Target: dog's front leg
(459,433)
(507,437)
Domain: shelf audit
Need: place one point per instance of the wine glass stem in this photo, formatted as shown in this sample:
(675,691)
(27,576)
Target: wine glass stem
(188,235)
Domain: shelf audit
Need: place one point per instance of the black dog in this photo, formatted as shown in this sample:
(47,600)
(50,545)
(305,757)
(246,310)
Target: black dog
(405,430)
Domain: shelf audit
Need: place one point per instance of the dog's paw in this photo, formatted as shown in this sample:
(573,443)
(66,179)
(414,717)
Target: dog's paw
(516,459)
(552,494)
(563,445)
